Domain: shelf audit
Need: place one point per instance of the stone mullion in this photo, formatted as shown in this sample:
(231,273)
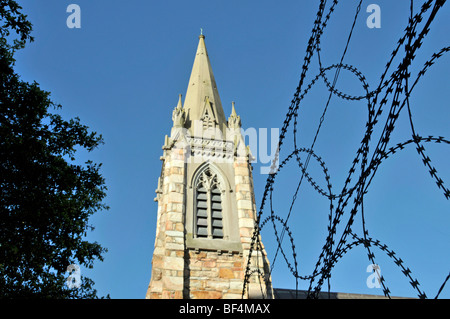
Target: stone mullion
(209,210)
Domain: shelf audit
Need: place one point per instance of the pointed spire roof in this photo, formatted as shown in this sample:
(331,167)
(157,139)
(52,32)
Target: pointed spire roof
(202,89)
(233,110)
(179,105)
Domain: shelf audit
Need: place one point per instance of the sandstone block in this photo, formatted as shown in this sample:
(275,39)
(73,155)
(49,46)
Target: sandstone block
(172,283)
(173,263)
(201,294)
(226,273)
(244,204)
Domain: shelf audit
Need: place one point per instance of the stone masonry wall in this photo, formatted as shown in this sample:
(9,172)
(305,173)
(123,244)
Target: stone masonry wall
(178,272)
(167,280)
(246,205)
(214,275)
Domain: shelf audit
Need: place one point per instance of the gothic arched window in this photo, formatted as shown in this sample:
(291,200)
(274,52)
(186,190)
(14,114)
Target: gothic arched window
(208,211)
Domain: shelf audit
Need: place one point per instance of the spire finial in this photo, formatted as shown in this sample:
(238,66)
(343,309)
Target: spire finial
(234,121)
(201,33)
(233,110)
(178,114)
(179,105)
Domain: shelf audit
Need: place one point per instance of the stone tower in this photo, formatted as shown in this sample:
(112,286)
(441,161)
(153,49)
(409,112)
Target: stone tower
(206,204)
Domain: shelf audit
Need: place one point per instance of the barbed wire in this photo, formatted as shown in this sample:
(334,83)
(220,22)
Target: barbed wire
(392,95)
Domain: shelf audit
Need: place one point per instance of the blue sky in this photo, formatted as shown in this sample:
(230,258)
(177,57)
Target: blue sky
(122,71)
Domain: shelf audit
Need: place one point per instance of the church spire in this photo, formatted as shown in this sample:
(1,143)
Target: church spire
(202,94)
(206,213)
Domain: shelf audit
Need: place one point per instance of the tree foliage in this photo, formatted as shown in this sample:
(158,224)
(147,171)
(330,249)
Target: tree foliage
(46,196)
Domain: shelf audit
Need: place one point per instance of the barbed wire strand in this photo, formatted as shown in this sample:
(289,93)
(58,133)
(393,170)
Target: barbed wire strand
(397,90)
